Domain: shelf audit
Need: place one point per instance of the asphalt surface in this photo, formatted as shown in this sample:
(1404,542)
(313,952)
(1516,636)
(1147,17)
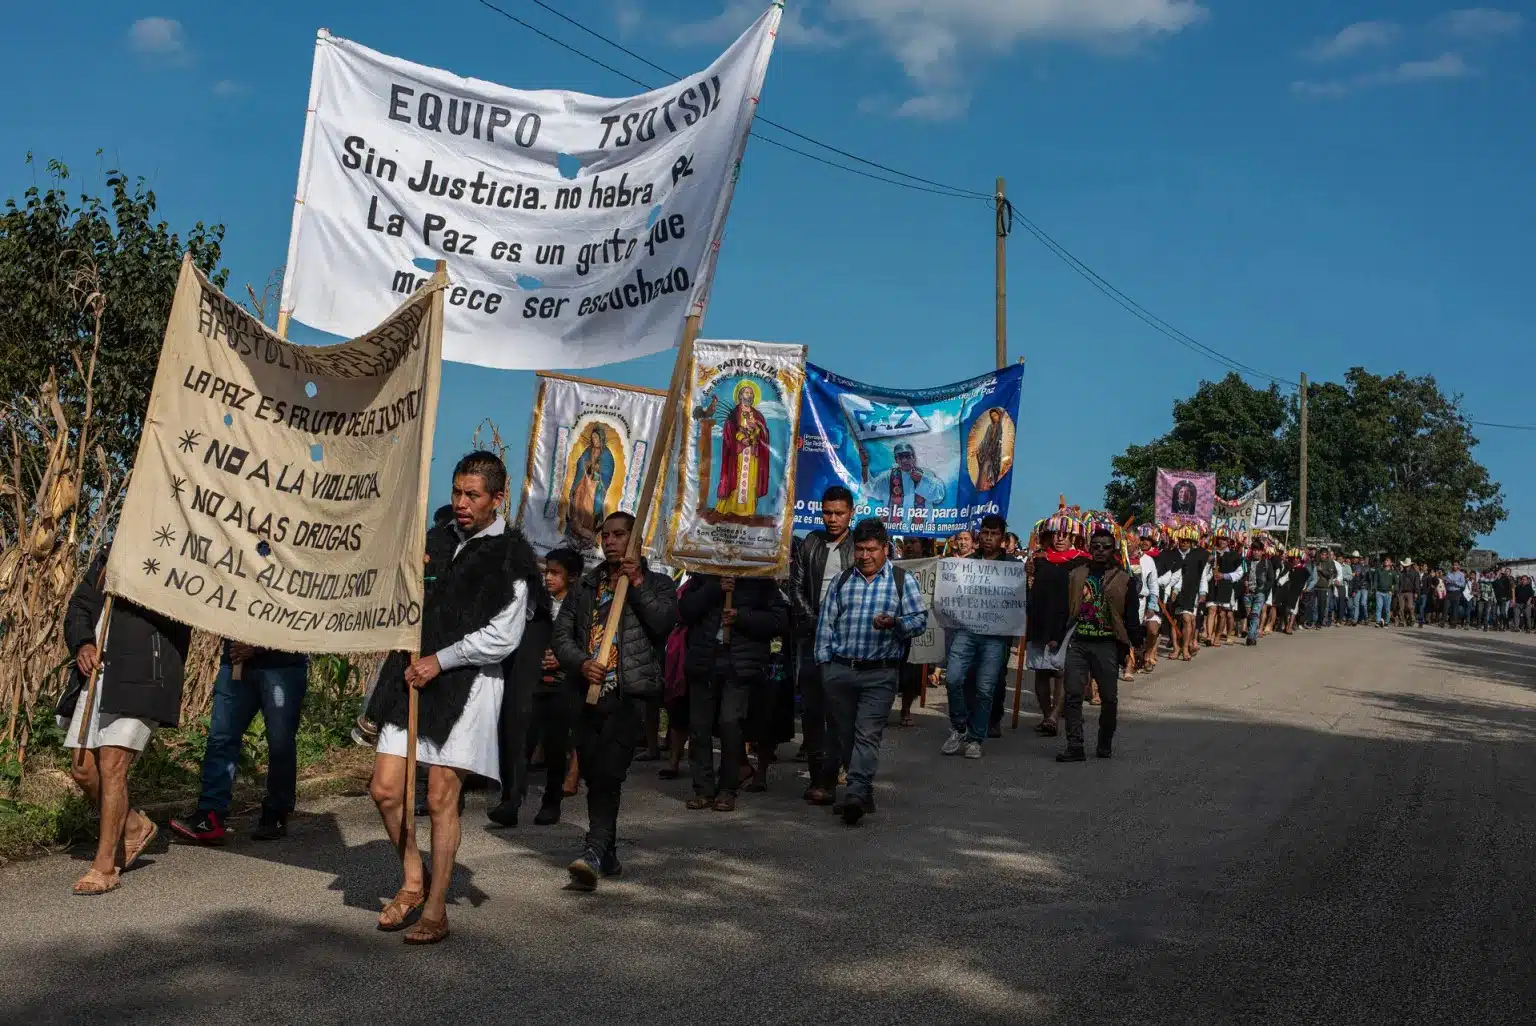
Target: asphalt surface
(1333,828)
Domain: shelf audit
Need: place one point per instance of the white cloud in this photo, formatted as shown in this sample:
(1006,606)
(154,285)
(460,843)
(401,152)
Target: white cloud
(936,41)
(934,106)
(1446,66)
(1480,23)
(628,14)
(738,14)
(160,37)
(228,87)
(1352,39)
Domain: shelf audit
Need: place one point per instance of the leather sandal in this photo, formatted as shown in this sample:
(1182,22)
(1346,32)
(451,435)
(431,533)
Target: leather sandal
(428,931)
(402,905)
(94,884)
(725,802)
(131,852)
(700,801)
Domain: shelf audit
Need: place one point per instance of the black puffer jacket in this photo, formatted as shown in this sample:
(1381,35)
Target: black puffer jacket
(762,614)
(650,613)
(143,661)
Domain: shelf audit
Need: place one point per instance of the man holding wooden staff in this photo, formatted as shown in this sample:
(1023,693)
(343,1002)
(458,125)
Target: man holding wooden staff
(126,679)
(615,689)
(483,589)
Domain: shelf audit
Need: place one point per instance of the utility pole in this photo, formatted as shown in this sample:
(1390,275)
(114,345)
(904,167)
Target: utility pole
(1303,496)
(1004,225)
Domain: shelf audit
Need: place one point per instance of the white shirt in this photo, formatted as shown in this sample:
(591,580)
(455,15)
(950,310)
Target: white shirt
(489,645)
(834,569)
(1148,570)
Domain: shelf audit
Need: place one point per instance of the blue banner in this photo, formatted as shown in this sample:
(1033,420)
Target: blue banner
(928,462)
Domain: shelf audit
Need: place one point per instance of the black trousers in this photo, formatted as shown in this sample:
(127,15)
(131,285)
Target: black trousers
(553,719)
(606,738)
(816,720)
(717,703)
(1100,661)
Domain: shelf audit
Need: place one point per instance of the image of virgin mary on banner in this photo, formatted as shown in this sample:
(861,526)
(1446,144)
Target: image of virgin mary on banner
(733,474)
(587,453)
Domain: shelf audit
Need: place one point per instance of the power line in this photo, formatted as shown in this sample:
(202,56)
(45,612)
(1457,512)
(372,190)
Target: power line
(926,185)
(971,193)
(918,183)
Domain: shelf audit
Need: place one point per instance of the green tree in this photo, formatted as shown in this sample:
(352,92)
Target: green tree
(1227,426)
(51,250)
(1390,461)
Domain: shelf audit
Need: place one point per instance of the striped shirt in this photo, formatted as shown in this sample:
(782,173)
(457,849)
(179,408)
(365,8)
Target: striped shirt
(846,629)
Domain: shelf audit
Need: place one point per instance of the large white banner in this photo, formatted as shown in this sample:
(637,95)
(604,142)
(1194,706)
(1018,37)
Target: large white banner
(578,230)
(985,596)
(1237,516)
(587,454)
(279,492)
(1272,516)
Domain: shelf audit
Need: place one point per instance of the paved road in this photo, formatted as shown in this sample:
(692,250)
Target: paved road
(1335,828)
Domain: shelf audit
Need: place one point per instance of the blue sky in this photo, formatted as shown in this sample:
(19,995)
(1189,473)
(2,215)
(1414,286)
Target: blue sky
(1305,186)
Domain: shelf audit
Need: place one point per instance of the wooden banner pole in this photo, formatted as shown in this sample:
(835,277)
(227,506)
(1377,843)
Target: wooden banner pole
(408,811)
(649,489)
(86,716)
(1018,689)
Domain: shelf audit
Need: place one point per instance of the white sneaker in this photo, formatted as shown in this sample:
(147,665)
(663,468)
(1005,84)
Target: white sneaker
(953,745)
(973,750)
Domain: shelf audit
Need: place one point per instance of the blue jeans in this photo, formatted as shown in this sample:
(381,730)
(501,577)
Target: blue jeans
(1422,606)
(1383,607)
(278,694)
(986,655)
(1360,607)
(1255,613)
(861,700)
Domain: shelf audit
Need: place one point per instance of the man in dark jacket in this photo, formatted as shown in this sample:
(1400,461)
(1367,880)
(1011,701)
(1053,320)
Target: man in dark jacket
(608,731)
(1096,596)
(270,683)
(1407,593)
(554,707)
(139,687)
(817,561)
(727,658)
(1258,578)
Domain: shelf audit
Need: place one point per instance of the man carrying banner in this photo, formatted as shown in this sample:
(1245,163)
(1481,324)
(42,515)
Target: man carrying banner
(986,655)
(139,655)
(483,588)
(872,611)
(608,733)
(818,560)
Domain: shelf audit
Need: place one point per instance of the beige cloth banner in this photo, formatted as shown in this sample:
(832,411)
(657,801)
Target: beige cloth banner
(278,497)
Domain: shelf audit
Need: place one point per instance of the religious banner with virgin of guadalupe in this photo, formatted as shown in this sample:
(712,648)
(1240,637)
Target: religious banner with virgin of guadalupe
(730,501)
(279,493)
(587,453)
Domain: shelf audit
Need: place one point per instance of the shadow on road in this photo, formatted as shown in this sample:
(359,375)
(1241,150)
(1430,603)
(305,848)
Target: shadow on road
(1508,659)
(1249,872)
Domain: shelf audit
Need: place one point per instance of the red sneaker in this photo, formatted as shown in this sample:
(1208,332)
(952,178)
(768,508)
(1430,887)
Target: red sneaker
(201,827)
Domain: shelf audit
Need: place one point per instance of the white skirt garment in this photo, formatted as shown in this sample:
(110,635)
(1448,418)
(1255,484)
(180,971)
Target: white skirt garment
(107,729)
(472,744)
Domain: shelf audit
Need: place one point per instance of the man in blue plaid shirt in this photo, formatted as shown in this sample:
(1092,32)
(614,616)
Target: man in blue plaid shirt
(871,613)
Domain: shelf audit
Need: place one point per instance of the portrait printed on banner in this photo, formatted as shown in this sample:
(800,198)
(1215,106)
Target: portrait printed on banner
(738,430)
(1186,499)
(593,482)
(909,486)
(989,449)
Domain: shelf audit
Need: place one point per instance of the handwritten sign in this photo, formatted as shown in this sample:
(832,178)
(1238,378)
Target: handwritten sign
(981,595)
(928,647)
(278,494)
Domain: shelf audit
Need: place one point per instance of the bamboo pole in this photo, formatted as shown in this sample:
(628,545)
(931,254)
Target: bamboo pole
(86,714)
(649,488)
